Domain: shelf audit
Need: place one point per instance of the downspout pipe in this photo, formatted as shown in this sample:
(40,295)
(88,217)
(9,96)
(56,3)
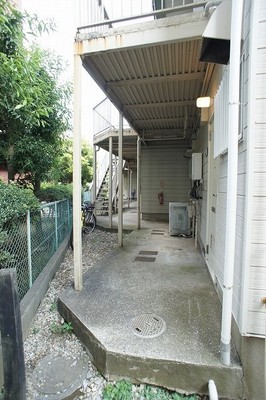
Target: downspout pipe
(233,125)
(213,395)
(210,4)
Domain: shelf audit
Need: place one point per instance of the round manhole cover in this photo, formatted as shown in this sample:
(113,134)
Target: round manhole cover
(56,375)
(148,325)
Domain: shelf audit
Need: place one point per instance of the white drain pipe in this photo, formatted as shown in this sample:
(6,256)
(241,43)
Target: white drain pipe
(229,260)
(213,395)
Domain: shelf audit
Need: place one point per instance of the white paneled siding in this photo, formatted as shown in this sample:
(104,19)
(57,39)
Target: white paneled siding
(221,217)
(256,318)
(163,170)
(202,147)
(256,266)
(221,101)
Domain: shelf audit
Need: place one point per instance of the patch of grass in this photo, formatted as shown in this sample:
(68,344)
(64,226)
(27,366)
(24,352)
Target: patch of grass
(123,390)
(65,327)
(53,306)
(35,330)
(119,391)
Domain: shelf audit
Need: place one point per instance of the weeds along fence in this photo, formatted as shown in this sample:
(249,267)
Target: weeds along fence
(33,239)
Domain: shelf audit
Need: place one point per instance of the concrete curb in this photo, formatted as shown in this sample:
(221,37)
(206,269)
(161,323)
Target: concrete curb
(31,301)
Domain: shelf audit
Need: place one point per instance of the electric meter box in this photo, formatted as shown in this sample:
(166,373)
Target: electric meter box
(196,166)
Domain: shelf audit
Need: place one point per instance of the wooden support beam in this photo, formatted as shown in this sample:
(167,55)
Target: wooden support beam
(11,337)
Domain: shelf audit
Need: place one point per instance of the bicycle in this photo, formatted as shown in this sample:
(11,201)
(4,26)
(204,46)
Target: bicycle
(88,221)
(88,217)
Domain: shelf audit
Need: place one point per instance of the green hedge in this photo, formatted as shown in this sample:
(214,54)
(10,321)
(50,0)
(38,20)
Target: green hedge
(50,193)
(15,202)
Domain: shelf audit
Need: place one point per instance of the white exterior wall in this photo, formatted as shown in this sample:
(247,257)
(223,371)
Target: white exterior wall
(163,170)
(250,268)
(257,274)
(202,147)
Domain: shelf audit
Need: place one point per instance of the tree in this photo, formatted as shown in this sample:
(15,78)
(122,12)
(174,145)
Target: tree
(36,150)
(62,170)
(33,105)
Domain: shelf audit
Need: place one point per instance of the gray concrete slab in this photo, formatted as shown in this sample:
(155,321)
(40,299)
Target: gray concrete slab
(177,288)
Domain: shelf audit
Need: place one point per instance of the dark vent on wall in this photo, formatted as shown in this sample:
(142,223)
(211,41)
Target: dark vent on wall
(216,51)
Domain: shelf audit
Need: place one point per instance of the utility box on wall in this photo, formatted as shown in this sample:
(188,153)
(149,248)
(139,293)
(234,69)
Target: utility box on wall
(196,166)
(179,219)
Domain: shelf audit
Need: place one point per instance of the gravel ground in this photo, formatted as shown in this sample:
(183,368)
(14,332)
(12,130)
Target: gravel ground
(41,339)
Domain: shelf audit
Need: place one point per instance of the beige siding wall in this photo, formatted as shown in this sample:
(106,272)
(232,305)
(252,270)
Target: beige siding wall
(163,170)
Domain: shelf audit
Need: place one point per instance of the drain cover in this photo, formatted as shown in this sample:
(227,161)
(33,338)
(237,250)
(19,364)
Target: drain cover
(145,259)
(148,325)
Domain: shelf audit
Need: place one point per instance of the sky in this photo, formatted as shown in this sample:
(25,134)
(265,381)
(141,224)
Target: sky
(61,42)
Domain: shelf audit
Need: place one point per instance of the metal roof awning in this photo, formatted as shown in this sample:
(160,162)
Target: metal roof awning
(152,73)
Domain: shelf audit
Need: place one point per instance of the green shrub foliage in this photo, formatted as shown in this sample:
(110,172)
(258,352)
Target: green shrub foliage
(57,192)
(15,202)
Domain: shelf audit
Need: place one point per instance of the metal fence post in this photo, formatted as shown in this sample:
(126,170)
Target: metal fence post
(56,226)
(29,248)
(68,214)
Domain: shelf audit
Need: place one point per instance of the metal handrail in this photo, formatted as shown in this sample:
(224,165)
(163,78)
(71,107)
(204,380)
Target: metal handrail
(144,15)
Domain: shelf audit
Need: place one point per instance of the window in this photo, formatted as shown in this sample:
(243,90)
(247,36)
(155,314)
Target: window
(221,101)
(221,109)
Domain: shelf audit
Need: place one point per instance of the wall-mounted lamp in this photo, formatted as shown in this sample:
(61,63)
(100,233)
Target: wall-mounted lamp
(203,102)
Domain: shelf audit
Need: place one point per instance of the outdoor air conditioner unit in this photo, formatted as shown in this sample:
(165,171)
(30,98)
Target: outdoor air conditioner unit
(179,219)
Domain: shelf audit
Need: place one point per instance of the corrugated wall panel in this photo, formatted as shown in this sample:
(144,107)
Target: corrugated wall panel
(256,324)
(258,255)
(260,111)
(260,137)
(163,170)
(261,60)
(258,233)
(259,189)
(257,276)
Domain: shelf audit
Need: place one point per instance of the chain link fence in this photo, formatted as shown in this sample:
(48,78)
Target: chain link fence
(33,239)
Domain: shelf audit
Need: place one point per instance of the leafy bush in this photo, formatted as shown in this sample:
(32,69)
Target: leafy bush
(124,390)
(119,391)
(51,193)
(15,202)
(5,255)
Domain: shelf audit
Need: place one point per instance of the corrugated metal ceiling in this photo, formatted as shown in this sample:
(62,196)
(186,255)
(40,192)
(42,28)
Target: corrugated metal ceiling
(156,87)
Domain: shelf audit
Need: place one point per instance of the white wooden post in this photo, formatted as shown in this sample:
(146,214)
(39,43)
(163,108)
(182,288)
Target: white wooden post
(94,194)
(138,182)
(120,181)
(110,206)
(78,282)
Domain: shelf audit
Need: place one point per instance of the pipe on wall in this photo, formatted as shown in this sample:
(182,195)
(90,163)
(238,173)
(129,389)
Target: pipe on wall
(231,203)
(213,395)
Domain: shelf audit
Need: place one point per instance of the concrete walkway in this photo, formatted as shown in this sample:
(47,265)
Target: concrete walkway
(150,313)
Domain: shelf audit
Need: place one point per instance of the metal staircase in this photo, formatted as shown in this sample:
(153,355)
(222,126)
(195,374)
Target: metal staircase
(103,192)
